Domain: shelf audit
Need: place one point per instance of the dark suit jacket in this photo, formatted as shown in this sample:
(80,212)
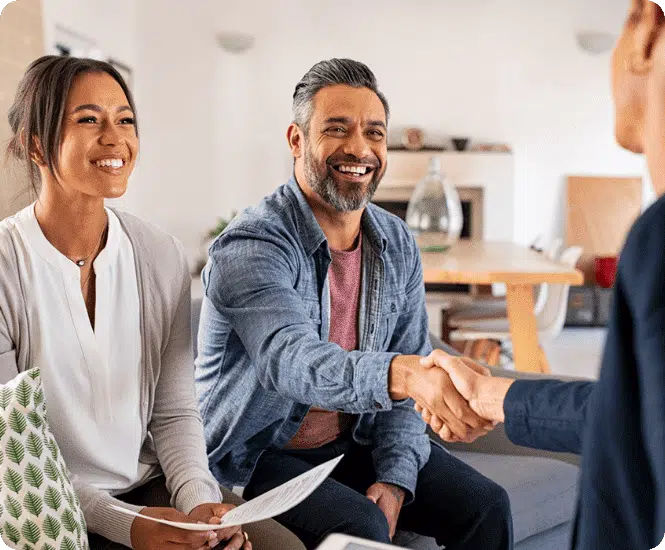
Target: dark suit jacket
(622,503)
(622,487)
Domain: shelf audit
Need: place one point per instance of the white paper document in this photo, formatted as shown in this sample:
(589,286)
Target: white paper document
(268,505)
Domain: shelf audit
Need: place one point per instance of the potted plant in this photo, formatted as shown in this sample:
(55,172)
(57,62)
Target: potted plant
(209,237)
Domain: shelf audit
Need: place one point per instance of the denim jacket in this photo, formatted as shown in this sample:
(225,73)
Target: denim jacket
(264,355)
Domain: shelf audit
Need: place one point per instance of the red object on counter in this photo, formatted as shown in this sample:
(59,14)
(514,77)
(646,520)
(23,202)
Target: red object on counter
(606,268)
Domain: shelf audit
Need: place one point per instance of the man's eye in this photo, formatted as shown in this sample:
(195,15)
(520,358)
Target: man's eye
(336,130)
(376,133)
(128,120)
(88,120)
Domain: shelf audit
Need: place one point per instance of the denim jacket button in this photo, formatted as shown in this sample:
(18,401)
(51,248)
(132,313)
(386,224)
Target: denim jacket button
(393,307)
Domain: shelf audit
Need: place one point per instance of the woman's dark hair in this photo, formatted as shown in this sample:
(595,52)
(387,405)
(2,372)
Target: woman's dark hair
(39,108)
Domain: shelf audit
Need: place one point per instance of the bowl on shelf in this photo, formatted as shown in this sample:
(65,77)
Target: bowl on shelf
(460,144)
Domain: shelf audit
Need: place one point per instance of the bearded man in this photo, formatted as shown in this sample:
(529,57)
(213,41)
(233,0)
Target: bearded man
(312,327)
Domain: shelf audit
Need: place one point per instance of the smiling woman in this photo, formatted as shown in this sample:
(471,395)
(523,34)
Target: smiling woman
(47,99)
(81,298)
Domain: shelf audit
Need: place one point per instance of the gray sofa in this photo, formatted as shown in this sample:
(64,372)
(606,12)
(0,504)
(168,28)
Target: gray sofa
(541,485)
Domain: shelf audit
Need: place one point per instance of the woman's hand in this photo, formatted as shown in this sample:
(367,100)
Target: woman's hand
(150,535)
(233,537)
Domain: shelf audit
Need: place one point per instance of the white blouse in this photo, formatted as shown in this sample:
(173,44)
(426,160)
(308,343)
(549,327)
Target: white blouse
(91,378)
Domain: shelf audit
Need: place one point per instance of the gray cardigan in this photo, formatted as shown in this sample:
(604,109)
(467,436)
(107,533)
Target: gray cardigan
(172,429)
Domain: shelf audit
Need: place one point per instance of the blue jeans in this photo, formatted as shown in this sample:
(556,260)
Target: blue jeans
(456,505)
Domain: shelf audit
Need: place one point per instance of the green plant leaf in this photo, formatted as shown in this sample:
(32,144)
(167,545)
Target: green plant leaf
(83,525)
(35,419)
(17,421)
(13,480)
(23,393)
(34,445)
(15,451)
(33,476)
(68,520)
(33,503)
(28,547)
(51,527)
(51,470)
(31,531)
(13,506)
(3,427)
(2,459)
(71,499)
(53,498)
(6,396)
(47,546)
(68,544)
(64,470)
(53,447)
(39,397)
(13,534)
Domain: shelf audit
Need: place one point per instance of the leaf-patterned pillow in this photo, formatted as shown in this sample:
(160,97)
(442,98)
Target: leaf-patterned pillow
(38,507)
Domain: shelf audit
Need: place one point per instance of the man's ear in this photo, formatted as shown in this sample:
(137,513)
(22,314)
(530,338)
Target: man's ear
(649,26)
(295,138)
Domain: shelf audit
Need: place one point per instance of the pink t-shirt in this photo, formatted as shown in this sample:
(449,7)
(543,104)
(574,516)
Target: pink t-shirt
(320,426)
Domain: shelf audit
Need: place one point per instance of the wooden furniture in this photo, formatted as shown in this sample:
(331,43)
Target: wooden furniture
(479,262)
(600,212)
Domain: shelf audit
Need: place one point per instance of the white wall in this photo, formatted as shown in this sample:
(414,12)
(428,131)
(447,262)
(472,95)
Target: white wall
(506,71)
(172,52)
(213,123)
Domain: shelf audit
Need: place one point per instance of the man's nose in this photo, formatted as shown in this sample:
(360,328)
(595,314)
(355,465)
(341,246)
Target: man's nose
(357,145)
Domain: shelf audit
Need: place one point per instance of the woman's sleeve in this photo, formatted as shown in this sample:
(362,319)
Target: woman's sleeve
(176,423)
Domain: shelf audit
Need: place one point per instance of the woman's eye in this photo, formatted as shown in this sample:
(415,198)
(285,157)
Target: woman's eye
(128,120)
(88,120)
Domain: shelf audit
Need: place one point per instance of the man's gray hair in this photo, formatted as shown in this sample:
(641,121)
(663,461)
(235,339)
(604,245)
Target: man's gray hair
(331,73)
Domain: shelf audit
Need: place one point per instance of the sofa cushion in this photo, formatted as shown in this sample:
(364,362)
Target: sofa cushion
(38,506)
(543,492)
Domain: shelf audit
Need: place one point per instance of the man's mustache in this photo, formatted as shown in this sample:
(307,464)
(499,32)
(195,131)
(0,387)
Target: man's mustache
(352,159)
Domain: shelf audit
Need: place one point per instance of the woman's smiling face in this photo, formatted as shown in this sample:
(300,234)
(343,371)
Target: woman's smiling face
(99,143)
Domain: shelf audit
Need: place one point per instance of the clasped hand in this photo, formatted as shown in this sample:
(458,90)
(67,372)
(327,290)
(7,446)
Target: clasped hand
(451,405)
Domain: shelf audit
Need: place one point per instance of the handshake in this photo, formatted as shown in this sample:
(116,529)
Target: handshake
(457,397)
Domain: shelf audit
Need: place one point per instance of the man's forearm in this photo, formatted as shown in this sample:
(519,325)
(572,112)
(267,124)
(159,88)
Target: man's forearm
(488,400)
(548,414)
(401,371)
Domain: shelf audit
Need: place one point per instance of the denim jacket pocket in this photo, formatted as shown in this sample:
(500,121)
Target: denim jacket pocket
(394,306)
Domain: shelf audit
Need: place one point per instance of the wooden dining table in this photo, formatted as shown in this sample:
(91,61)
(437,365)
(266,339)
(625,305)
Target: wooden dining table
(519,268)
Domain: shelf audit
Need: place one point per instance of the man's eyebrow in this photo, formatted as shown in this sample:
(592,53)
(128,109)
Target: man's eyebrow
(379,123)
(347,120)
(338,120)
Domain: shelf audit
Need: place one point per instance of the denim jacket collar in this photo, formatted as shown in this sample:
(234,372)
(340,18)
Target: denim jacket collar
(312,235)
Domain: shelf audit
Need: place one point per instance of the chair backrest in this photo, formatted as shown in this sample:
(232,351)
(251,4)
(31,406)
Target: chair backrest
(553,249)
(552,252)
(552,317)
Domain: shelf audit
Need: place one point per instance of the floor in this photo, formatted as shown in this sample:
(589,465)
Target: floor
(577,352)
